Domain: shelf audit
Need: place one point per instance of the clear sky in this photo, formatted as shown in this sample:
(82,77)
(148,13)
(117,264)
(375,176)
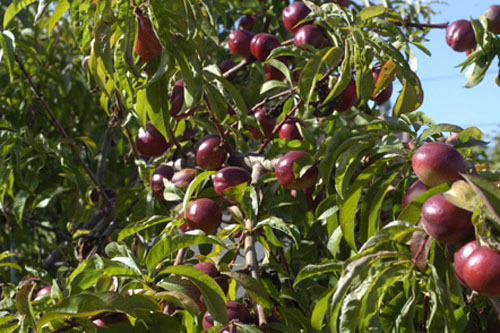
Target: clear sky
(445,98)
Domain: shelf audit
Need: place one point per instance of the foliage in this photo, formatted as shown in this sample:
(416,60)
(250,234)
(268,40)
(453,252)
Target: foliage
(74,94)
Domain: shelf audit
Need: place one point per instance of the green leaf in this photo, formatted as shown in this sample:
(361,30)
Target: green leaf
(42,6)
(320,309)
(327,164)
(84,305)
(7,46)
(410,98)
(195,185)
(153,101)
(478,69)
(276,223)
(345,75)
(213,295)
(489,193)
(172,243)
(309,75)
(436,129)
(15,7)
(396,231)
(254,288)
(23,303)
(372,11)
(239,101)
(281,67)
(270,85)
(386,76)
(62,7)
(412,212)
(349,207)
(19,203)
(6,254)
(312,270)
(148,222)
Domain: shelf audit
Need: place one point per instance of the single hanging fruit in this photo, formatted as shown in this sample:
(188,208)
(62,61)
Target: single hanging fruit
(148,46)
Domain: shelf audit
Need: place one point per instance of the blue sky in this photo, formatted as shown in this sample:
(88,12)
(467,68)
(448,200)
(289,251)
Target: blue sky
(445,98)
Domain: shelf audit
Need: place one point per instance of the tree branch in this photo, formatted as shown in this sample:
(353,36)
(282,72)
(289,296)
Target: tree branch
(76,152)
(422,25)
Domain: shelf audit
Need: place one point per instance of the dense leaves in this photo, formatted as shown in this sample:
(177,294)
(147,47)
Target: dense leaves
(78,213)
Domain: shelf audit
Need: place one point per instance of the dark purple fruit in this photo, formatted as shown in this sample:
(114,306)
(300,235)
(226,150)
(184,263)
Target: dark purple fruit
(436,163)
(293,14)
(493,16)
(204,214)
(460,36)
(226,65)
(309,34)
(481,272)
(246,22)
(177,101)
(266,123)
(262,44)
(229,177)
(235,311)
(415,190)
(148,45)
(43,292)
(289,129)
(239,42)
(461,256)
(150,142)
(163,171)
(446,222)
(348,97)
(272,73)
(210,153)
(342,3)
(183,177)
(286,177)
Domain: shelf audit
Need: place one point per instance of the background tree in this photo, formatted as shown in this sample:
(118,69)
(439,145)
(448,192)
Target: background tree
(237,164)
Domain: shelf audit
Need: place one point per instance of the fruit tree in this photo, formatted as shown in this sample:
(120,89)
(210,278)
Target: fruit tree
(240,166)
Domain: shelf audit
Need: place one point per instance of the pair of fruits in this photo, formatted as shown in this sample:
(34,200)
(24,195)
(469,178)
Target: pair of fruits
(460,35)
(289,129)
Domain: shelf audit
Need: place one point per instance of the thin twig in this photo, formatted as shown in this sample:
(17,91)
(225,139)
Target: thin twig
(238,247)
(422,25)
(240,65)
(131,143)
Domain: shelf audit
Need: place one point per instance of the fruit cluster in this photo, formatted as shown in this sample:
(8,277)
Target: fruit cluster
(476,267)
